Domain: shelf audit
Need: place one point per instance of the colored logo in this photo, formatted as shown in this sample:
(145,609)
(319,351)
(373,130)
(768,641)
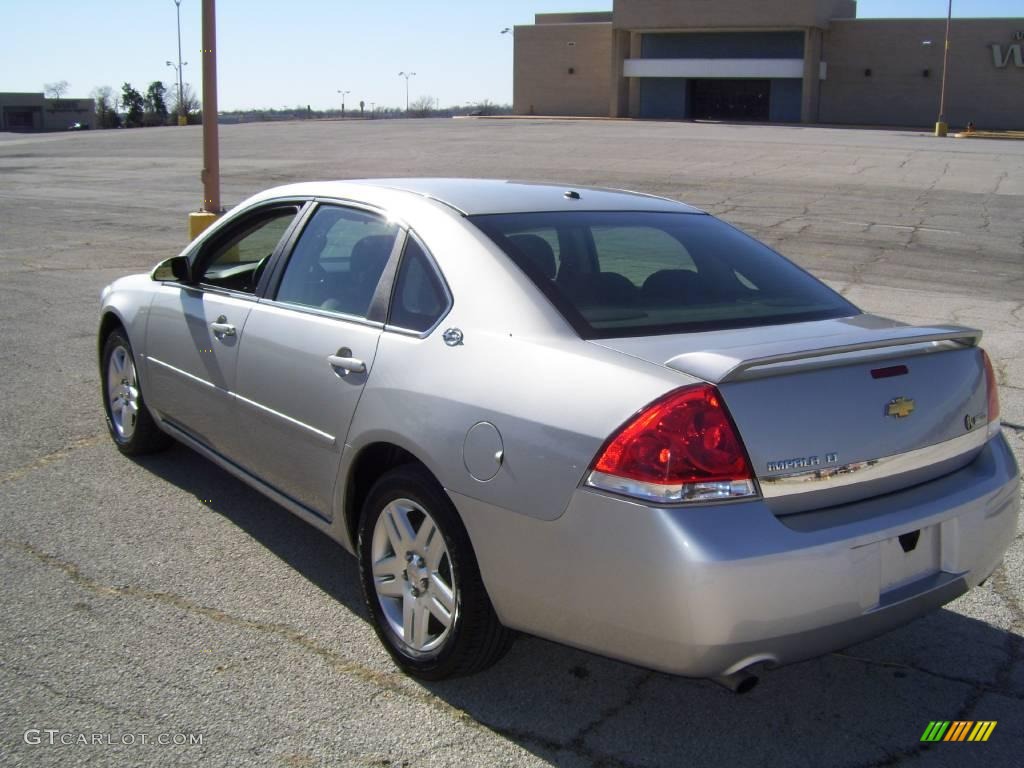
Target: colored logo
(899,408)
(958,730)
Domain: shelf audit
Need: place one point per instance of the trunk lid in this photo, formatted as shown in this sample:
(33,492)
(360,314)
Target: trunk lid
(835,411)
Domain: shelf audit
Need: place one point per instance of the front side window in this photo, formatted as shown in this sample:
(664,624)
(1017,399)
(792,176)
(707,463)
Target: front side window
(623,273)
(338,260)
(237,261)
(419,299)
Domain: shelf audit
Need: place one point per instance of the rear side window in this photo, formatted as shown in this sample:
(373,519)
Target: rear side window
(419,298)
(338,260)
(637,273)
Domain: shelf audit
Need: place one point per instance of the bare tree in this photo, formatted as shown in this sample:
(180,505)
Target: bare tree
(186,103)
(56,90)
(106,107)
(422,107)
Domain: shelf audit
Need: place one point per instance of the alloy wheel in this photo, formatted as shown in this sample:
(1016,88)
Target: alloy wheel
(122,392)
(413,576)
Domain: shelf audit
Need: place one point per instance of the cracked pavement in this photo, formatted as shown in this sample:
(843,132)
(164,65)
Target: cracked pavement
(163,596)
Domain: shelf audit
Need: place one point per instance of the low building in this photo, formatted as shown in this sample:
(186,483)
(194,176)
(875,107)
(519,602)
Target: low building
(809,61)
(34,112)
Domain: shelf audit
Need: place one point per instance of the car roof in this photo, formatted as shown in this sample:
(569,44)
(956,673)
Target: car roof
(484,196)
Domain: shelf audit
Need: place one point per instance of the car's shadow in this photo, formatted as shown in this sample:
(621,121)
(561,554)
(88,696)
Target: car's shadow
(867,705)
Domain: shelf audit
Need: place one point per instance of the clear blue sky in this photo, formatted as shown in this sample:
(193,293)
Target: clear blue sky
(289,52)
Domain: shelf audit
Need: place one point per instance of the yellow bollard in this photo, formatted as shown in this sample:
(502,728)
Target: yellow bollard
(182,120)
(199,221)
(941,129)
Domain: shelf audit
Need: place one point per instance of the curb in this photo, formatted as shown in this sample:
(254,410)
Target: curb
(1018,135)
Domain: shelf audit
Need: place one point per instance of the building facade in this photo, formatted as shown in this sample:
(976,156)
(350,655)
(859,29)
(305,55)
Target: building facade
(29,112)
(791,61)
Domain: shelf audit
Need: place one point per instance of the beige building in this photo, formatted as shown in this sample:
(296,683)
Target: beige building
(809,61)
(35,112)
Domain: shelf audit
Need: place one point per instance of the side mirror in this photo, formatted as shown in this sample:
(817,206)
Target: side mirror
(174,269)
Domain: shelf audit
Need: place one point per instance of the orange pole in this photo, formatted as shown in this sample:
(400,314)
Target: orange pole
(945,65)
(211,146)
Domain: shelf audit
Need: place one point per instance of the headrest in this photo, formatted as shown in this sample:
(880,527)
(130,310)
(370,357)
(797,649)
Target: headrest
(371,253)
(538,251)
(676,285)
(600,288)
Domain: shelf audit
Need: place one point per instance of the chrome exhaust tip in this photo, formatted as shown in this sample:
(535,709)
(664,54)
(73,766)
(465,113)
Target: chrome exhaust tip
(738,682)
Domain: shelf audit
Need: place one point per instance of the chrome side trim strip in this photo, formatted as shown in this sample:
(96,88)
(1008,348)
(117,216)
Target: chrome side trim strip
(330,439)
(186,374)
(322,435)
(326,314)
(827,478)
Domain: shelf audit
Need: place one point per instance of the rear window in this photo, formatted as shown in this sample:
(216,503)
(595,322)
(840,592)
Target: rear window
(641,274)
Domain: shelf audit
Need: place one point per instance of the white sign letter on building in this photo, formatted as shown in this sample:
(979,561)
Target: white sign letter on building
(1012,51)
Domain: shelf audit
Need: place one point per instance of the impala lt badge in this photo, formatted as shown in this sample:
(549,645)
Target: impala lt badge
(899,408)
(803,462)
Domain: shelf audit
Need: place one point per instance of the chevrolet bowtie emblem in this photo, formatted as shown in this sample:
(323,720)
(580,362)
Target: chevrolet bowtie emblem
(899,408)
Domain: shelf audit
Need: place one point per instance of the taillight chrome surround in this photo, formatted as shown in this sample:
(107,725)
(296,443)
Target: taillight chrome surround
(672,494)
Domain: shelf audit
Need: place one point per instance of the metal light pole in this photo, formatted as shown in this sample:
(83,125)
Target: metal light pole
(406,75)
(343,101)
(941,127)
(182,117)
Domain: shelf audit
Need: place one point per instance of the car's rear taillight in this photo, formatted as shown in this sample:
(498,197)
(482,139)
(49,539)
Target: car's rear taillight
(992,390)
(682,447)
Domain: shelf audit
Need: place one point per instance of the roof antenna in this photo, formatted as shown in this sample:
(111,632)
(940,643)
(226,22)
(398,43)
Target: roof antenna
(572,195)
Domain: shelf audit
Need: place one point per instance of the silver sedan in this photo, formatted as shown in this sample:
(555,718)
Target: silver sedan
(600,417)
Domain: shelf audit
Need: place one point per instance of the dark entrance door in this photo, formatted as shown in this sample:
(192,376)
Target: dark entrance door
(18,119)
(729,99)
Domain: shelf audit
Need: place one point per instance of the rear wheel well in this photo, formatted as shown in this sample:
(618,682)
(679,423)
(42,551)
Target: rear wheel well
(108,324)
(371,463)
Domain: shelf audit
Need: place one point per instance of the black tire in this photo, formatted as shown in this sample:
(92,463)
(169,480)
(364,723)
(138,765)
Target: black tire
(476,638)
(145,436)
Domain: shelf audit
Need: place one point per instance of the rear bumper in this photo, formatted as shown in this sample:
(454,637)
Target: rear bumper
(710,590)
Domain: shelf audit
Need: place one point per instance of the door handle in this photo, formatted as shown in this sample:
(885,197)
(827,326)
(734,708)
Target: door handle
(345,362)
(222,327)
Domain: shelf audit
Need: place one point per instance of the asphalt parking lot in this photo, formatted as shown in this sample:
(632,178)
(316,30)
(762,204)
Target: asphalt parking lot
(161,597)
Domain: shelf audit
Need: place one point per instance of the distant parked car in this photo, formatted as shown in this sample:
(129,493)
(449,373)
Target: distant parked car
(600,417)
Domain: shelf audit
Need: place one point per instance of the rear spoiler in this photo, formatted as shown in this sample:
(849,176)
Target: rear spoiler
(774,358)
